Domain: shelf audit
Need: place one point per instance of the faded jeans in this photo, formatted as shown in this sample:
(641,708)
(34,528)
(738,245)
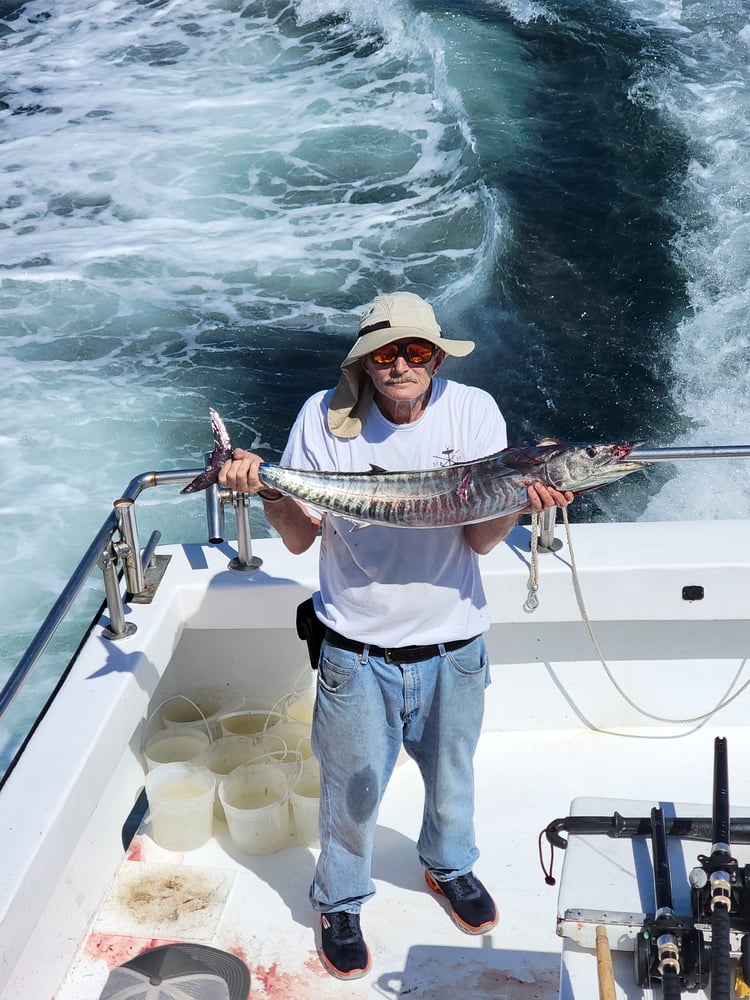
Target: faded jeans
(364,710)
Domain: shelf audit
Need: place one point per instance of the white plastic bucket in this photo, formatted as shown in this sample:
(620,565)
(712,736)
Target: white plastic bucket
(304,796)
(227,754)
(299,705)
(280,755)
(249,722)
(202,705)
(255,798)
(170,746)
(181,805)
(296,735)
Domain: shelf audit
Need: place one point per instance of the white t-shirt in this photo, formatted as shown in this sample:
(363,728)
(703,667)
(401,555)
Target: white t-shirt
(399,586)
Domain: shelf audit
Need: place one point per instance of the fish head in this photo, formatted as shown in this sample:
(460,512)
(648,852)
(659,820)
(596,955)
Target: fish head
(581,467)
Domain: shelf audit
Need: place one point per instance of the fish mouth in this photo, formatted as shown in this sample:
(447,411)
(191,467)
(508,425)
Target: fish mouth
(620,453)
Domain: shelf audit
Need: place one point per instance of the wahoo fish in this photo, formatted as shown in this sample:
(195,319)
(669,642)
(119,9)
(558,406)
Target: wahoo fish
(456,494)
(464,493)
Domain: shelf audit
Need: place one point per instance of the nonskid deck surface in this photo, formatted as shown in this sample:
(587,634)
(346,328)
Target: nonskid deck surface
(257,907)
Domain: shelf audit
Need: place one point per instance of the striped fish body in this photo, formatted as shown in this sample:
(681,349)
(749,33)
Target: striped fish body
(457,494)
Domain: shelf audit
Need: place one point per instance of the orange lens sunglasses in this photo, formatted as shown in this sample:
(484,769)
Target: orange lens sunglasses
(416,352)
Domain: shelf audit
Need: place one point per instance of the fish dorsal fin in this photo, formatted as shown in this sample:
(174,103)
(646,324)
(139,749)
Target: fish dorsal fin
(377,470)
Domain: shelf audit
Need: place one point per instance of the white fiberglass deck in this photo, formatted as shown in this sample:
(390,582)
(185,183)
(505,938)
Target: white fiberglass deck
(544,746)
(257,908)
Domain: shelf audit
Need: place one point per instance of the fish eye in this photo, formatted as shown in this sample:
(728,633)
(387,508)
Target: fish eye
(591,451)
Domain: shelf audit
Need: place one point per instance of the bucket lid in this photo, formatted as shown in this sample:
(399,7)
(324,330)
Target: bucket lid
(179,972)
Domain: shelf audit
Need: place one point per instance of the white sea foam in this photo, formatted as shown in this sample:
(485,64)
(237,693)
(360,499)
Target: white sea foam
(177,181)
(705,91)
(174,181)
(525,10)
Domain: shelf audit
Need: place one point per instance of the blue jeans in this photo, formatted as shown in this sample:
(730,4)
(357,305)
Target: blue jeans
(365,709)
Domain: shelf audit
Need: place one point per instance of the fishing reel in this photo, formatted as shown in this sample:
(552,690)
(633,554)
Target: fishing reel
(720,881)
(666,947)
(720,897)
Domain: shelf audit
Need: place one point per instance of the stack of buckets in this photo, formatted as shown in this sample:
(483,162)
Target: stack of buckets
(215,758)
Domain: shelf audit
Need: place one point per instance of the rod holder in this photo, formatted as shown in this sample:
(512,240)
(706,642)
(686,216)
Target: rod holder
(130,551)
(214,514)
(245,559)
(547,541)
(118,627)
(547,519)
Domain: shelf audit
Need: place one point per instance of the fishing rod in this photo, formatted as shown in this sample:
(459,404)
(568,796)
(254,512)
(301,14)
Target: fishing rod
(717,887)
(616,825)
(719,891)
(666,949)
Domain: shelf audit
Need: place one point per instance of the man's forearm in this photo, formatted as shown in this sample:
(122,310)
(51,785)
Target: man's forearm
(485,535)
(297,528)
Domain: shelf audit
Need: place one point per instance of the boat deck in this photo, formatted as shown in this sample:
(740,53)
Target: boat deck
(256,906)
(545,746)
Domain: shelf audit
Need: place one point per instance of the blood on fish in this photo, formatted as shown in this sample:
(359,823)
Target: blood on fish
(462,490)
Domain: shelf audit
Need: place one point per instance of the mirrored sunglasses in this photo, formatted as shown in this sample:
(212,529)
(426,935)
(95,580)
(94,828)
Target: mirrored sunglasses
(416,352)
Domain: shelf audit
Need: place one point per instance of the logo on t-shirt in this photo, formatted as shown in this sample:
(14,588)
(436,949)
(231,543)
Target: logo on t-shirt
(447,457)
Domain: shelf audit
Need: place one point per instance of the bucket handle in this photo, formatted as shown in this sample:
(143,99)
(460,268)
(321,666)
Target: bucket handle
(172,698)
(283,751)
(297,688)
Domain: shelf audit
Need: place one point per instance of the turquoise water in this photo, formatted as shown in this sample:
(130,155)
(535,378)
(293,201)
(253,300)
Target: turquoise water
(197,201)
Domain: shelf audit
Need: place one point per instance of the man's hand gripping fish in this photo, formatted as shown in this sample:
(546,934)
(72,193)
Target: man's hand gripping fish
(456,494)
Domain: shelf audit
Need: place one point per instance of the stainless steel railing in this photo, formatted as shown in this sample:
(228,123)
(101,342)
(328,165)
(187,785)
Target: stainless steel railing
(107,552)
(688,454)
(548,518)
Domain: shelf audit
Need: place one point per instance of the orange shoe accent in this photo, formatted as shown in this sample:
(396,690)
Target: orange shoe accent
(462,925)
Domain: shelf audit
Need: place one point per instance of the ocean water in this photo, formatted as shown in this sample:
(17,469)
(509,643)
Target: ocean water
(197,199)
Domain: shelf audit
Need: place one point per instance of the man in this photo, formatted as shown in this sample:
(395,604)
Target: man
(403,660)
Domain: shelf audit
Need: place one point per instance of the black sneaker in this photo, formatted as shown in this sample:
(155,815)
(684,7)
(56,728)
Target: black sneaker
(344,952)
(473,910)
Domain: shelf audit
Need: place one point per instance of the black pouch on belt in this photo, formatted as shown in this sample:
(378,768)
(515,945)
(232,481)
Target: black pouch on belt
(311,629)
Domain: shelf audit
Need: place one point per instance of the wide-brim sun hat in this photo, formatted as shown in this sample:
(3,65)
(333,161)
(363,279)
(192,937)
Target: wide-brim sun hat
(179,971)
(397,316)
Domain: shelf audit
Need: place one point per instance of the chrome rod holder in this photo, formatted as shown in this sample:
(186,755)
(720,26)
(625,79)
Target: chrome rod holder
(547,518)
(215,514)
(118,628)
(547,541)
(130,551)
(245,559)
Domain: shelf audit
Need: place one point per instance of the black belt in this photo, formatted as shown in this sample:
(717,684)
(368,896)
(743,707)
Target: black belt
(404,654)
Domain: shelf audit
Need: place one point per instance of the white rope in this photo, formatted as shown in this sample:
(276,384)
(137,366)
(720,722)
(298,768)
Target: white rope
(532,601)
(626,697)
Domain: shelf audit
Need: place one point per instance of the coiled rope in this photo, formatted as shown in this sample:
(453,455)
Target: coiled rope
(532,602)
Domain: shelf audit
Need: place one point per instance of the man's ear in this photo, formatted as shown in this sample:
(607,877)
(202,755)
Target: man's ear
(438,360)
